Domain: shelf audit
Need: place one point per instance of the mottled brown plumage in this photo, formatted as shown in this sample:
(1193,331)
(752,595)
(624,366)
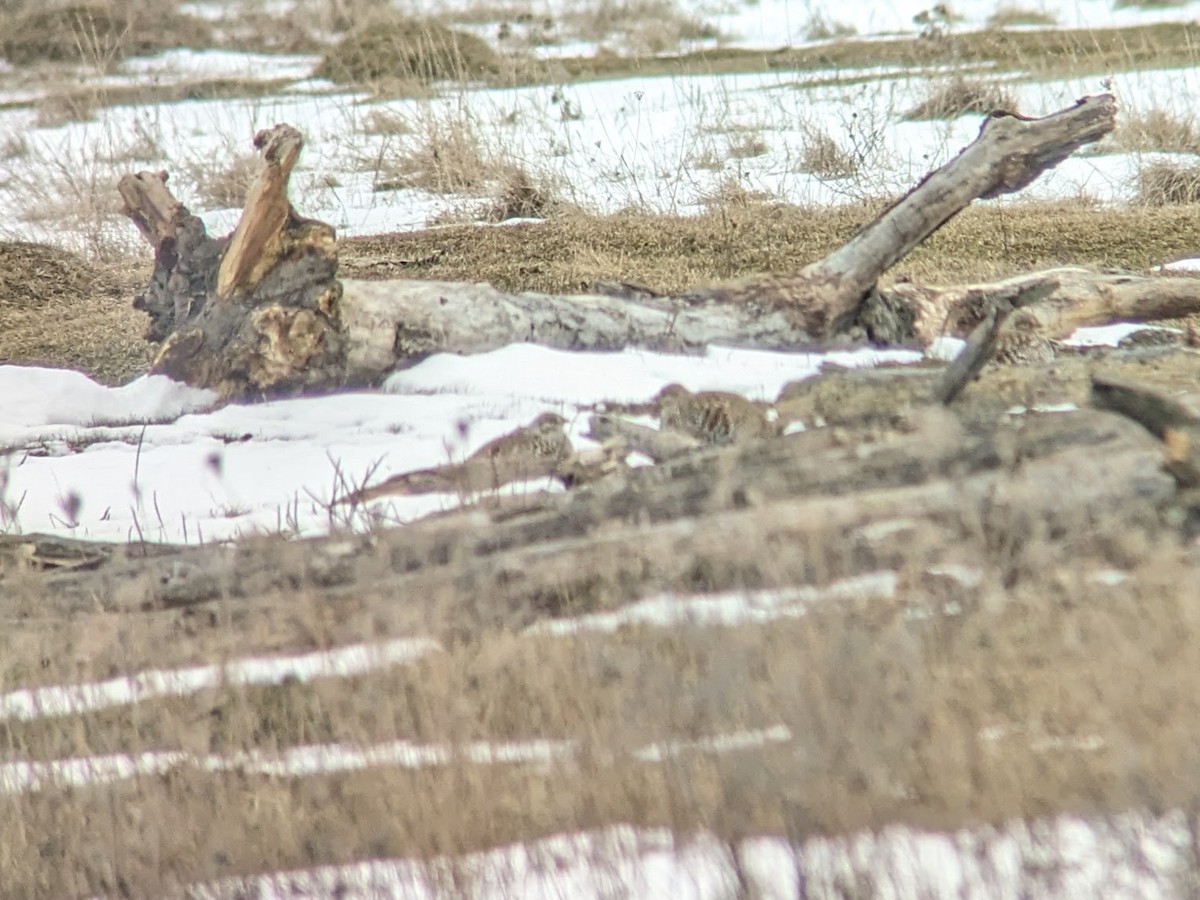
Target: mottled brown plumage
(715,417)
(537,450)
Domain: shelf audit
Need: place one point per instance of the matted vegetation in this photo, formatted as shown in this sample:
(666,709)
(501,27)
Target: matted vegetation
(97,34)
(390,47)
(1168,183)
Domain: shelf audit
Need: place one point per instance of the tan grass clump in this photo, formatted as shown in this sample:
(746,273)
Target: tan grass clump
(448,156)
(222,183)
(98,34)
(822,28)
(959,97)
(640,26)
(1168,184)
(731,193)
(521,196)
(823,156)
(390,48)
(1158,130)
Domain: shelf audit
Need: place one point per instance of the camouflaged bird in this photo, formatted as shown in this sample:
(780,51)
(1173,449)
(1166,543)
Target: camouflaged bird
(715,417)
(539,449)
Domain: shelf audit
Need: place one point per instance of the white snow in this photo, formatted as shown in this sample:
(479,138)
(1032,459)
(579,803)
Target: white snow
(24,776)
(275,467)
(1182,265)
(1130,855)
(725,609)
(32,397)
(1108,335)
(353,659)
(156,460)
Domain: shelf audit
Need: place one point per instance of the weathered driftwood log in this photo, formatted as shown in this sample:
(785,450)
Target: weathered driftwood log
(256,315)
(391,323)
(1010,152)
(265,313)
(831,505)
(1076,297)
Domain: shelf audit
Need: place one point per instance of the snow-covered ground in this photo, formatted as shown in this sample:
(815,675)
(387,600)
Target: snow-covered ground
(159,461)
(1135,855)
(656,143)
(154,460)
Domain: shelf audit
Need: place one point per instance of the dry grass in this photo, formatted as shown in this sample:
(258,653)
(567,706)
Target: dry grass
(391,48)
(1169,184)
(822,28)
(732,194)
(1156,130)
(447,155)
(1009,16)
(98,34)
(824,156)
(961,96)
(59,310)
(747,146)
(58,109)
(948,705)
(637,27)
(222,181)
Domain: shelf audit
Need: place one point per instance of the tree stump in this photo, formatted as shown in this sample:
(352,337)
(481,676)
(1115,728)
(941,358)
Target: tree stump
(258,314)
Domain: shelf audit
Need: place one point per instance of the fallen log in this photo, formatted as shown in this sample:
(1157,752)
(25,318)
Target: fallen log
(264,313)
(842,502)
(1076,297)
(1010,152)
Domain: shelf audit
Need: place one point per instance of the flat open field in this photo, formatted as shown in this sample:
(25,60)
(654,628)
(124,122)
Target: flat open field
(894,651)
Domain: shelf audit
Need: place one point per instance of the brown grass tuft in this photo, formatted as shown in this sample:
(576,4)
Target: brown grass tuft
(520,196)
(98,34)
(1008,16)
(222,181)
(823,156)
(639,27)
(1168,183)
(1157,130)
(396,48)
(959,97)
(448,157)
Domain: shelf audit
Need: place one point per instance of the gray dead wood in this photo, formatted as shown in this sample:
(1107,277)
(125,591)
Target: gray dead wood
(185,257)
(1010,152)
(394,323)
(1076,297)
(840,503)
(265,314)
(391,323)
